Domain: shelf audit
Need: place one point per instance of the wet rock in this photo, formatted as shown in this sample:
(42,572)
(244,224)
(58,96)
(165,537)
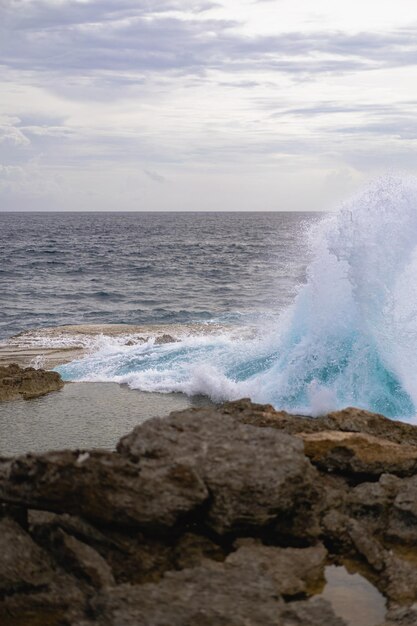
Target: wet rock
(27,383)
(353,453)
(103,487)
(254,476)
(165,338)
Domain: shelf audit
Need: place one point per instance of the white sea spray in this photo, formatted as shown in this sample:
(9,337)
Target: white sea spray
(350,337)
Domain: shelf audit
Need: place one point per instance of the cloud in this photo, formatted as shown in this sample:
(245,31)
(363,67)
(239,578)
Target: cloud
(95,91)
(129,36)
(158,178)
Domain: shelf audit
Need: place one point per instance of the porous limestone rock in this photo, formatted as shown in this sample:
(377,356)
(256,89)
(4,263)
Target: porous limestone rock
(27,383)
(254,476)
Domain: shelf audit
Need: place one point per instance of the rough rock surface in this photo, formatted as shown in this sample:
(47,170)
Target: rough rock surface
(27,383)
(359,453)
(253,476)
(351,420)
(102,486)
(214,516)
(211,595)
(24,565)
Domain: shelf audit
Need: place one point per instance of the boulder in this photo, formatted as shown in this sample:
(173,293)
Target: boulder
(103,487)
(27,383)
(254,476)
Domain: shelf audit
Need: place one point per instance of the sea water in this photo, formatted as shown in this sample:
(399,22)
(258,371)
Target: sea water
(332,306)
(348,338)
(147,268)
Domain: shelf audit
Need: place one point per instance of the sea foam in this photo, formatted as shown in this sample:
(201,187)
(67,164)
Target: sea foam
(349,338)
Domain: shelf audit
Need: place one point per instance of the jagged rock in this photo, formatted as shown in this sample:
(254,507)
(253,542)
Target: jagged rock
(71,524)
(104,487)
(295,571)
(402,524)
(401,616)
(61,603)
(133,556)
(253,475)
(189,522)
(32,590)
(399,579)
(165,338)
(372,500)
(167,468)
(395,577)
(80,559)
(24,565)
(358,453)
(190,550)
(27,383)
(348,420)
(213,594)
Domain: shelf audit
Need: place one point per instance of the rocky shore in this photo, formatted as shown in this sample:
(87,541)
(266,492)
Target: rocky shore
(212,516)
(18,382)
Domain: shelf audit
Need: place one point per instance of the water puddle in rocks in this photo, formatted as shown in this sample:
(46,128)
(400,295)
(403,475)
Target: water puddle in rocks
(353,597)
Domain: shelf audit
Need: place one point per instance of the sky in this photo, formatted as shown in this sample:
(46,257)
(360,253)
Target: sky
(200,105)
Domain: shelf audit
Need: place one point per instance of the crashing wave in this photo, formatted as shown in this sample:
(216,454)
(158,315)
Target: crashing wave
(350,337)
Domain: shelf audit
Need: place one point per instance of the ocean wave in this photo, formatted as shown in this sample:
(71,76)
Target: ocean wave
(350,337)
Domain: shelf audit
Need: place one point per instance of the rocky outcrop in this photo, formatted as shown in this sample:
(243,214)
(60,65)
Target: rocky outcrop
(253,477)
(354,453)
(211,516)
(27,383)
(246,589)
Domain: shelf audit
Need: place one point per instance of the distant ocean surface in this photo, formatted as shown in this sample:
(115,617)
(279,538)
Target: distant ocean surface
(147,268)
(313,312)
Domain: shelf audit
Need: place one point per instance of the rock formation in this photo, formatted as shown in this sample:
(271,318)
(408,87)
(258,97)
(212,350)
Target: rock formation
(27,383)
(212,516)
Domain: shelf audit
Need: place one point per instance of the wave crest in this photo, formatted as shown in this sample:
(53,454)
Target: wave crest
(350,337)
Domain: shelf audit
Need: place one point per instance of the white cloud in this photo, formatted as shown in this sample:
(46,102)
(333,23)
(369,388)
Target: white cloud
(240,104)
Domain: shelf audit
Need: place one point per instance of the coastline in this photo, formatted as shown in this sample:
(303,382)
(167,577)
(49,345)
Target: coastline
(225,511)
(50,347)
(146,495)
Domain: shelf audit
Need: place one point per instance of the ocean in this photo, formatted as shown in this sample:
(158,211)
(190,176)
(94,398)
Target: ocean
(308,312)
(147,268)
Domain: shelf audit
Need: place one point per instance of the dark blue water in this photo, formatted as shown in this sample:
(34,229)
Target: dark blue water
(137,268)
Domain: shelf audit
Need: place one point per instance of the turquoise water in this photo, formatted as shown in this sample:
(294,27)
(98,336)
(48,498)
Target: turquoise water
(348,338)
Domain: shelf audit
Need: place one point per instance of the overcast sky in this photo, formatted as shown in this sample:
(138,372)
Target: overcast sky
(200,105)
